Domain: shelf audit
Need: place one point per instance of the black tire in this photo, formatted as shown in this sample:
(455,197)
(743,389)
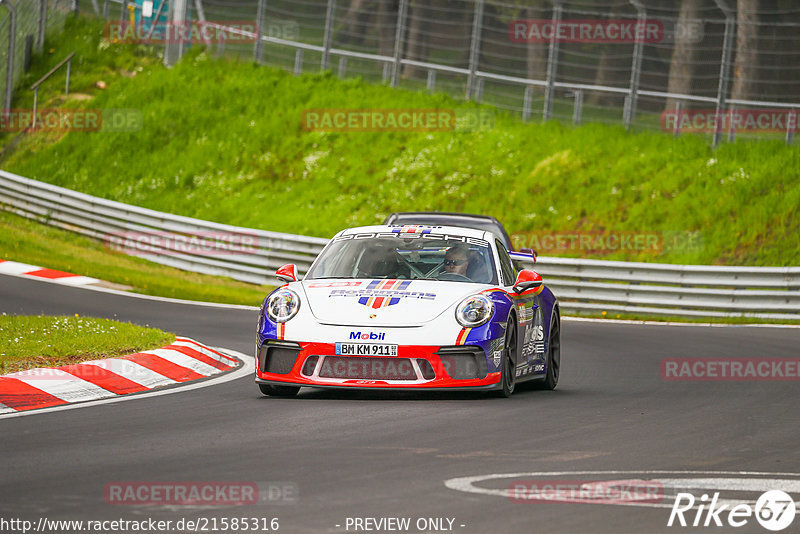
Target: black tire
(278,391)
(508,376)
(553,356)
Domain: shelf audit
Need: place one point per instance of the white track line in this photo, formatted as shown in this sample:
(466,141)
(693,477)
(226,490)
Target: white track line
(468,484)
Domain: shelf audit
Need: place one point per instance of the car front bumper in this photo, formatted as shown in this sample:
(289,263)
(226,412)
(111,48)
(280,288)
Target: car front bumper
(459,367)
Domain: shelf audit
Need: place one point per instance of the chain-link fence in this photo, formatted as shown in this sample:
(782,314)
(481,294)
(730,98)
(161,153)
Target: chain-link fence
(24,25)
(725,68)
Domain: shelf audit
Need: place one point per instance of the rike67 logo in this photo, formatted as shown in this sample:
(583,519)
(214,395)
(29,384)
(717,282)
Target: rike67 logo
(774,510)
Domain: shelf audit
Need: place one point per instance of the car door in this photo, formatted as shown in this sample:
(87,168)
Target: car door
(530,328)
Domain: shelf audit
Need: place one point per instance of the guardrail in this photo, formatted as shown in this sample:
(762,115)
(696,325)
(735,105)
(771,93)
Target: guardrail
(581,285)
(113,223)
(35,87)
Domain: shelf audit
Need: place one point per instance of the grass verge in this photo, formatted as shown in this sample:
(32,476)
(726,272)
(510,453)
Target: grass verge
(26,241)
(45,341)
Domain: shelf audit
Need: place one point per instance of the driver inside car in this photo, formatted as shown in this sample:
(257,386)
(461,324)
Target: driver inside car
(456,260)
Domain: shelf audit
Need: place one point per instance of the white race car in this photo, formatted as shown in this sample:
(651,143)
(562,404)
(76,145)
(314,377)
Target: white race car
(409,307)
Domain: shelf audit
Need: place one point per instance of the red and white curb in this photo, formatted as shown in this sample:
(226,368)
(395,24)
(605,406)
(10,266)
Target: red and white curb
(23,269)
(182,361)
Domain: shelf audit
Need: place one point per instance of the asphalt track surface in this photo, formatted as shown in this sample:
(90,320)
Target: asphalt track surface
(376,455)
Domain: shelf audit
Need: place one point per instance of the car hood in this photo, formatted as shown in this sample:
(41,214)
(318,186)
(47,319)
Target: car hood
(383,302)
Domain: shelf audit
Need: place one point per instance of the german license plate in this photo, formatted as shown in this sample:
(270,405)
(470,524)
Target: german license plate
(366,349)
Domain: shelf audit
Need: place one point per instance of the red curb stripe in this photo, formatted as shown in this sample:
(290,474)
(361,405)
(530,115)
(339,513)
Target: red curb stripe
(200,356)
(163,367)
(234,363)
(50,273)
(104,378)
(19,395)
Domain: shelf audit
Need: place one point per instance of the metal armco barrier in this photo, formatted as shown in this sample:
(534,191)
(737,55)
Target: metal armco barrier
(581,285)
(103,219)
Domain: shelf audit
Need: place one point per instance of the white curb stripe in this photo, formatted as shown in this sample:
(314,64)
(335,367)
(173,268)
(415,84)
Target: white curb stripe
(179,358)
(13,267)
(5,409)
(133,372)
(74,280)
(68,387)
(23,269)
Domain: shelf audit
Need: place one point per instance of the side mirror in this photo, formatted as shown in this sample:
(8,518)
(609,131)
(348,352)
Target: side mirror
(287,273)
(529,251)
(527,280)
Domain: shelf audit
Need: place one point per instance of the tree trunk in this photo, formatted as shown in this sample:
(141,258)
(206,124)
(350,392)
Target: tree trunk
(613,69)
(745,71)
(536,53)
(418,41)
(356,22)
(388,12)
(684,53)
(607,73)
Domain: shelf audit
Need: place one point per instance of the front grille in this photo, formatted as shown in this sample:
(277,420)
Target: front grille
(463,362)
(343,367)
(427,369)
(277,358)
(310,365)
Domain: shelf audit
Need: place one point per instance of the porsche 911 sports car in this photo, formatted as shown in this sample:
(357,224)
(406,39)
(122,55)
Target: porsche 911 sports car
(409,307)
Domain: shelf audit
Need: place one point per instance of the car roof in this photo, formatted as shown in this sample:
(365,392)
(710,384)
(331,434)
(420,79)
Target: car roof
(419,228)
(463,220)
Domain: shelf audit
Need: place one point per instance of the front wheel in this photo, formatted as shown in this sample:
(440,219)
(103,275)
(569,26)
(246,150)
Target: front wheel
(278,391)
(508,376)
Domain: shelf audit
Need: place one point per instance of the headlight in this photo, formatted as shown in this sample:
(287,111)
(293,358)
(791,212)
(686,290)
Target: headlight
(474,311)
(283,305)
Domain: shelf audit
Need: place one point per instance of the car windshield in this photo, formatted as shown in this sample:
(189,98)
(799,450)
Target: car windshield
(445,219)
(406,257)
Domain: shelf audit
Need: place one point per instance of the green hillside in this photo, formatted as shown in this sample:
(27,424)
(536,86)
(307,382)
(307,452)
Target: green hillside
(222,140)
